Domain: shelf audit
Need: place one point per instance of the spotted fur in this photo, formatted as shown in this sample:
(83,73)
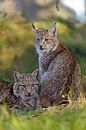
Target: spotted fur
(23,94)
(26,87)
(59,69)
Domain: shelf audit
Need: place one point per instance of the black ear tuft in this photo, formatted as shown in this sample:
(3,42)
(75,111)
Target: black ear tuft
(33,28)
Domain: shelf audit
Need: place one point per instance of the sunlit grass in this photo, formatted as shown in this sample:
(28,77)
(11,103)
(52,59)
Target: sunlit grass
(71,117)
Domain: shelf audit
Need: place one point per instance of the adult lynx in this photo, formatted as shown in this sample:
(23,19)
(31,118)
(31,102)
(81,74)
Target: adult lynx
(58,67)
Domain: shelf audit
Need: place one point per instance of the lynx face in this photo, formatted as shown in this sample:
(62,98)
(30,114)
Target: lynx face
(45,40)
(26,86)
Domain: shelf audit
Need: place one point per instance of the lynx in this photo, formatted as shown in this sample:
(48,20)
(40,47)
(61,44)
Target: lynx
(58,67)
(26,87)
(21,95)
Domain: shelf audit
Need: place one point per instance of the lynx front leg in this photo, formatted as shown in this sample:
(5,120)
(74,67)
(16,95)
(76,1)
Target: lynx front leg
(76,93)
(39,104)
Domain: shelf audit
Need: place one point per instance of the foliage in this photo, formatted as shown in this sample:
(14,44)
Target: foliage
(16,46)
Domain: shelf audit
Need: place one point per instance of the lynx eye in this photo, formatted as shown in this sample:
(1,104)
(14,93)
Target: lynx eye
(37,39)
(46,40)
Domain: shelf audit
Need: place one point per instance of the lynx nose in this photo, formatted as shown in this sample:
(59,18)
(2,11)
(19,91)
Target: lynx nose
(29,94)
(41,47)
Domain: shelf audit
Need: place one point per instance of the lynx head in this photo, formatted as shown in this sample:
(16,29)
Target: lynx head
(26,85)
(45,39)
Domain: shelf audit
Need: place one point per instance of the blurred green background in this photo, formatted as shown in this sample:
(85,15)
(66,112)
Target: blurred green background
(17,51)
(16,46)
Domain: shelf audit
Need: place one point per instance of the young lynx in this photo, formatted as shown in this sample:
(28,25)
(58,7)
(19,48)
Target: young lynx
(26,87)
(21,95)
(59,69)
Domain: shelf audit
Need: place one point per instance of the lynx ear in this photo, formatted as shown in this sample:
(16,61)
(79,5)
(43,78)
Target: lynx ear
(34,29)
(52,30)
(35,73)
(17,76)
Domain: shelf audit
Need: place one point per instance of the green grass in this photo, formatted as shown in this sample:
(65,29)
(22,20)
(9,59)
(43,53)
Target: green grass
(71,117)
